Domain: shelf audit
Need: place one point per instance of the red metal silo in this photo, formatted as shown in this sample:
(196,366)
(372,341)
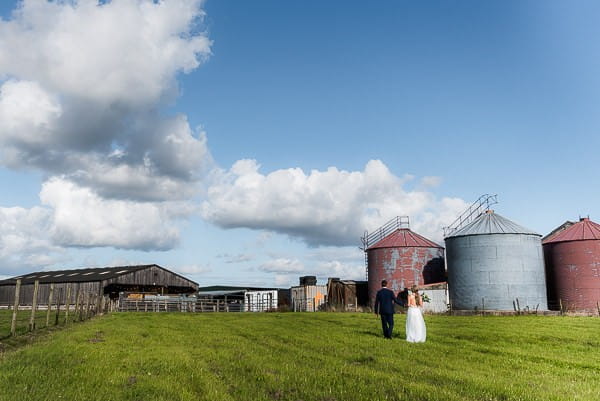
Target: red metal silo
(573,266)
(404,258)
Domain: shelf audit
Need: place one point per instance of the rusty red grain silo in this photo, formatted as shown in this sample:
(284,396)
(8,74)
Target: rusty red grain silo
(573,267)
(402,257)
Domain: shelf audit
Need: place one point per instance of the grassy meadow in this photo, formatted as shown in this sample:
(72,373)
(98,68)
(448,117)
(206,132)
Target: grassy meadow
(23,319)
(306,356)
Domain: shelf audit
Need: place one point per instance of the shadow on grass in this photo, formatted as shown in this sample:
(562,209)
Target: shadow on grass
(371,333)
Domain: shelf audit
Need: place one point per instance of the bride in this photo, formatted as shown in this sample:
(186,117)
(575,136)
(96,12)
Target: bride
(415,325)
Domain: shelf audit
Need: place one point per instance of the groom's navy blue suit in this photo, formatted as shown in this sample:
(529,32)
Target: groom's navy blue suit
(384,305)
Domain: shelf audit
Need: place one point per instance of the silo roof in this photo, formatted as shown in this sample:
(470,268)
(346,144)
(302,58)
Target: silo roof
(585,229)
(491,223)
(404,237)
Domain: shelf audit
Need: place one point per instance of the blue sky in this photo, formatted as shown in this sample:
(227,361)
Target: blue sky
(278,131)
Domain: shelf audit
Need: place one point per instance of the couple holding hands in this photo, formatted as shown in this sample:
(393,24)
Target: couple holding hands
(415,324)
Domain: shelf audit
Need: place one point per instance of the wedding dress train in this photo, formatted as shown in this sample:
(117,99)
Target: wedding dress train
(416,331)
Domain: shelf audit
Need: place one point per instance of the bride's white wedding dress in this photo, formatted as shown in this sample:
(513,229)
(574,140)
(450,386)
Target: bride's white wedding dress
(416,332)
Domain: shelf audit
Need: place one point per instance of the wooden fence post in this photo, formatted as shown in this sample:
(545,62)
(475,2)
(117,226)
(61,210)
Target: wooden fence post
(13,324)
(36,286)
(87,306)
(58,296)
(98,304)
(102,304)
(81,305)
(49,304)
(68,303)
(76,311)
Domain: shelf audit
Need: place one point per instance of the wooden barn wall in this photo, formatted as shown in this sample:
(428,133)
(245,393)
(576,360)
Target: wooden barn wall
(7,292)
(152,276)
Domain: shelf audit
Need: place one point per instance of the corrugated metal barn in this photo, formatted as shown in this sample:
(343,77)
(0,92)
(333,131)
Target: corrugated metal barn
(106,281)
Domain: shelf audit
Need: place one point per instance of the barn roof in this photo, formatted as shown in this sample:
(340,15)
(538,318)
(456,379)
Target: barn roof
(230,289)
(80,275)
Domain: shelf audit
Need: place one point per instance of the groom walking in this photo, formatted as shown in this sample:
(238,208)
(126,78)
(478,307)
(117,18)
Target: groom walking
(384,306)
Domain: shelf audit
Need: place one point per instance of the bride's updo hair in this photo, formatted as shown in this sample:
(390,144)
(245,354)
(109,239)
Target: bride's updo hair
(415,291)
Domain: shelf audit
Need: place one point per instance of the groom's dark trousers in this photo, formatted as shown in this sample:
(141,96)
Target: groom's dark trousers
(384,306)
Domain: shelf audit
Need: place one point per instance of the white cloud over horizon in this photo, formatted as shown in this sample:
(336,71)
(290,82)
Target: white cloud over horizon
(325,262)
(82,218)
(331,207)
(24,240)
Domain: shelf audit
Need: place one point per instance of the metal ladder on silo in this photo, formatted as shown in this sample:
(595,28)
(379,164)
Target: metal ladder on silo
(478,207)
(394,224)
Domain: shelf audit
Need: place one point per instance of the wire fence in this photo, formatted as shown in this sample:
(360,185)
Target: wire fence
(27,315)
(191,304)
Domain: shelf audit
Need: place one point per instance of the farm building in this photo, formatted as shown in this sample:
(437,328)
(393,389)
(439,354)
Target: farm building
(573,266)
(238,299)
(308,296)
(106,281)
(347,295)
(402,257)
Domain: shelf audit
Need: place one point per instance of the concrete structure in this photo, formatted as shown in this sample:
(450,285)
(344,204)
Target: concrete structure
(103,282)
(404,258)
(495,264)
(573,267)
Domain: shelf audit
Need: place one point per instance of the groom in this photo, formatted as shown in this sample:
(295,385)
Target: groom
(384,306)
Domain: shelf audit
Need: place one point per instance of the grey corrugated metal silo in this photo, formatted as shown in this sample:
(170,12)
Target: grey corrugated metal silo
(493,262)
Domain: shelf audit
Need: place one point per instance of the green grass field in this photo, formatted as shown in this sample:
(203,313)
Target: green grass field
(307,356)
(23,319)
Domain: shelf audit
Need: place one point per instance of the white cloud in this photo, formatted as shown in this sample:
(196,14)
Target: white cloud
(82,100)
(124,52)
(331,207)
(344,271)
(282,265)
(239,258)
(83,86)
(82,218)
(285,280)
(24,241)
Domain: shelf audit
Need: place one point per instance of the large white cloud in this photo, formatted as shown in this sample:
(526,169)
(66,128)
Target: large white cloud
(24,240)
(84,86)
(82,218)
(122,51)
(83,89)
(331,207)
